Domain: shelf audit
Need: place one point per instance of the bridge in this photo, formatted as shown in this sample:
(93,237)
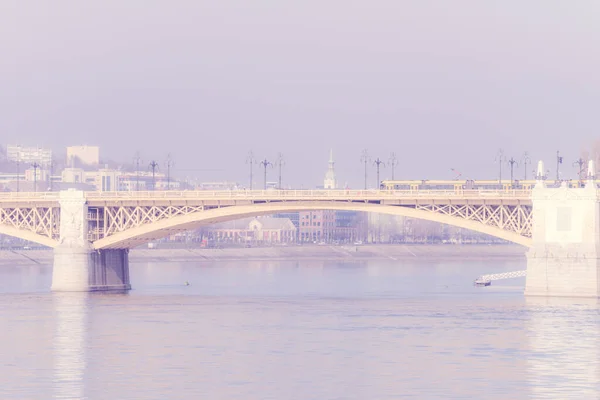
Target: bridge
(123,220)
(91,232)
(98,228)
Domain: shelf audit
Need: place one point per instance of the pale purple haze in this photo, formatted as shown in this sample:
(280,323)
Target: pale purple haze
(444,84)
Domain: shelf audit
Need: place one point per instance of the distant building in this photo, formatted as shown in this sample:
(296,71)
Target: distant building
(328,225)
(83,155)
(330,181)
(292,216)
(29,155)
(350,226)
(108,180)
(316,226)
(273,230)
(265,230)
(73,175)
(36,174)
(142,180)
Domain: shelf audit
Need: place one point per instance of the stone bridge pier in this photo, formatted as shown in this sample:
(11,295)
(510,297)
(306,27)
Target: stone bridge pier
(77,266)
(564,259)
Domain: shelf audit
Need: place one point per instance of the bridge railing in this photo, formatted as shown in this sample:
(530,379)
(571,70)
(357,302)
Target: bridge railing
(29,195)
(277,194)
(310,194)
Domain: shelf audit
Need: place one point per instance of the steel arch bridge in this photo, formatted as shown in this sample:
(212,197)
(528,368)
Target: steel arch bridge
(123,220)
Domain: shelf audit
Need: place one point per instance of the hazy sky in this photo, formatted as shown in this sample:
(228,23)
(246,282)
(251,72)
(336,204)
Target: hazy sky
(444,84)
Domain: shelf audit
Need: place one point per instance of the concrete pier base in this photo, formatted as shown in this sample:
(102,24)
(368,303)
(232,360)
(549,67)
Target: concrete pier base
(81,270)
(77,267)
(562,272)
(564,260)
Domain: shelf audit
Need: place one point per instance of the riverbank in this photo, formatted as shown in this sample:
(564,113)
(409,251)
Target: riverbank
(387,252)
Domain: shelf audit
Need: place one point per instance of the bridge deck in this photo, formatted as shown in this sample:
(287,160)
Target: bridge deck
(392,197)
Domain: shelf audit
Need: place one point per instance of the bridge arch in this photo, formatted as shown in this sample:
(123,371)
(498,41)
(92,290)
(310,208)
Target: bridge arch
(145,233)
(27,235)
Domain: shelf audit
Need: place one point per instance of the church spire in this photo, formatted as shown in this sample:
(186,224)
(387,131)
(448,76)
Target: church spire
(330,181)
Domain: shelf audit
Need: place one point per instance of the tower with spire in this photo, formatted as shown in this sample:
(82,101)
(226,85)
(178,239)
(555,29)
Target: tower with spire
(330,182)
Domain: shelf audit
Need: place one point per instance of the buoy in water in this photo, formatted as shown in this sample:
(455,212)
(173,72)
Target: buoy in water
(187,283)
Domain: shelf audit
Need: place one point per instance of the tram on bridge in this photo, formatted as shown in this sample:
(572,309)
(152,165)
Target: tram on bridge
(468,184)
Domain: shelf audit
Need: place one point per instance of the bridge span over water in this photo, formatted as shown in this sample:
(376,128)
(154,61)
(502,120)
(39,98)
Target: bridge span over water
(123,220)
(91,232)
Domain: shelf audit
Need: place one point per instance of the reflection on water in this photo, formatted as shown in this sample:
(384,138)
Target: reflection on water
(297,330)
(564,348)
(69,344)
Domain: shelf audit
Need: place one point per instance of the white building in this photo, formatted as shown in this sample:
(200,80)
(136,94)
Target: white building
(273,230)
(36,174)
(87,155)
(29,155)
(109,180)
(330,181)
(73,175)
(104,179)
(266,230)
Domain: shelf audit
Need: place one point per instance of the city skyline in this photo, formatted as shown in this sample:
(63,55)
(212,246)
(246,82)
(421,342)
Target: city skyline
(517,169)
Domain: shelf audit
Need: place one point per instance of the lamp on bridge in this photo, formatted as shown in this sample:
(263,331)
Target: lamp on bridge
(512,163)
(153,166)
(266,163)
(35,166)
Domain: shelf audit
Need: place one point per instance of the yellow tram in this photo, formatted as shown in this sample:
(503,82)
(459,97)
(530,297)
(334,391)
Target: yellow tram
(460,185)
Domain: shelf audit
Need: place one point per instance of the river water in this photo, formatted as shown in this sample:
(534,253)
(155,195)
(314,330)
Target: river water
(296,330)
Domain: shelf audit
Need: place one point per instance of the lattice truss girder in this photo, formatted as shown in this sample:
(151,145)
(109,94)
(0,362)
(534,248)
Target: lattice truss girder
(509,218)
(43,221)
(119,219)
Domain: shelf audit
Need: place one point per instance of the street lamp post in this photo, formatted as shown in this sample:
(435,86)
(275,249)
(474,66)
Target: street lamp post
(265,164)
(365,158)
(169,164)
(512,163)
(137,160)
(280,163)
(50,183)
(35,166)
(393,162)
(500,158)
(18,177)
(378,163)
(526,160)
(154,166)
(250,160)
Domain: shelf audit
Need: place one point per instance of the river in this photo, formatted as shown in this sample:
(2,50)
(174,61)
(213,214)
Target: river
(296,330)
